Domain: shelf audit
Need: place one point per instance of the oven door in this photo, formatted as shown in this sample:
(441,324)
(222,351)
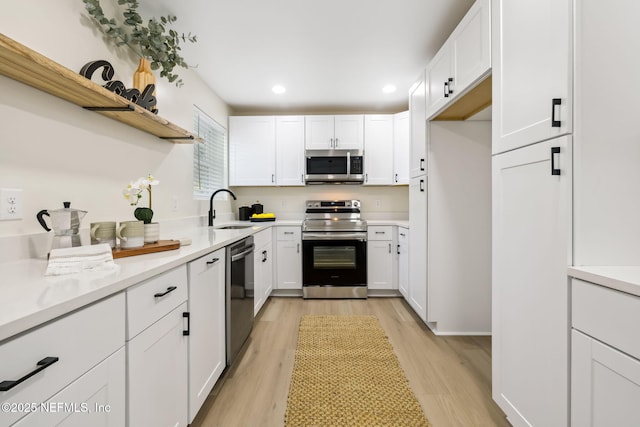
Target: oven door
(329,260)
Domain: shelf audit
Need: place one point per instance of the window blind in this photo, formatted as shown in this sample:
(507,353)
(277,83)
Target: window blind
(210,157)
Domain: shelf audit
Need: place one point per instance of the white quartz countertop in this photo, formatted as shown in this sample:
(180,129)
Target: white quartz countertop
(620,278)
(29,298)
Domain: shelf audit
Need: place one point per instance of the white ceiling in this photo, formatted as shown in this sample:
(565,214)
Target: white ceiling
(331,55)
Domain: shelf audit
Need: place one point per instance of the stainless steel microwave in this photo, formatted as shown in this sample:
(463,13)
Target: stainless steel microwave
(330,167)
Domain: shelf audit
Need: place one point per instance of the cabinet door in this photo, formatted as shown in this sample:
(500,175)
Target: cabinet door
(252,150)
(263,271)
(471,46)
(380,269)
(531,251)
(532,65)
(96,399)
(403,261)
(378,133)
(401,148)
(318,132)
(290,150)
(418,246)
(605,384)
(157,373)
(207,353)
(289,265)
(440,80)
(418,128)
(349,132)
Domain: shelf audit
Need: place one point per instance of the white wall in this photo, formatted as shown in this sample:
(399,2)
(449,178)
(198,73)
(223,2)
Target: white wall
(56,151)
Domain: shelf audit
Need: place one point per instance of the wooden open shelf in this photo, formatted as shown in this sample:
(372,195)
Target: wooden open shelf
(31,68)
(470,103)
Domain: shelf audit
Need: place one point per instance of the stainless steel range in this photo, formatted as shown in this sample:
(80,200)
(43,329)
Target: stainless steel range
(334,250)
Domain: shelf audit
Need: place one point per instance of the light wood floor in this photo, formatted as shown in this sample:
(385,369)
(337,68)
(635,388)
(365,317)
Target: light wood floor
(450,376)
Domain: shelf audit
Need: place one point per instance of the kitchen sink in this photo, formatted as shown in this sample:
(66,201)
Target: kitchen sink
(233,227)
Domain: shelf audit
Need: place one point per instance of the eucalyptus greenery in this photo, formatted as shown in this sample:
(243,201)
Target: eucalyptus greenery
(161,46)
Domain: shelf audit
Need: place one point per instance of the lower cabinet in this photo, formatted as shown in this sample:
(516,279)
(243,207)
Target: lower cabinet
(381,258)
(288,258)
(403,261)
(263,268)
(69,371)
(207,357)
(605,357)
(417,289)
(157,333)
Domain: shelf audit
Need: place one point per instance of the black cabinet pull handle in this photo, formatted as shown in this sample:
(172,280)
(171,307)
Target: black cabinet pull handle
(421,164)
(555,102)
(422,185)
(213,261)
(187,315)
(449,86)
(396,177)
(446,89)
(42,365)
(554,151)
(169,289)
(264,256)
(398,250)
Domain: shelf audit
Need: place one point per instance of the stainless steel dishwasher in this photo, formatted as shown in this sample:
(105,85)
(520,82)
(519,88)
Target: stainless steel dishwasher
(239,295)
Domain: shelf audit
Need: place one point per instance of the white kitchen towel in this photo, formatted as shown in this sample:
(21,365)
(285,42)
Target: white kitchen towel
(80,258)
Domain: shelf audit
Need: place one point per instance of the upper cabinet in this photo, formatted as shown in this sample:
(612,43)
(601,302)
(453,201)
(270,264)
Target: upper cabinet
(401,148)
(252,150)
(532,74)
(266,150)
(290,150)
(29,67)
(343,132)
(378,149)
(462,62)
(418,128)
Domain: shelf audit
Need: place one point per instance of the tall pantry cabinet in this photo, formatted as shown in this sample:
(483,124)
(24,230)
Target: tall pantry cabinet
(532,208)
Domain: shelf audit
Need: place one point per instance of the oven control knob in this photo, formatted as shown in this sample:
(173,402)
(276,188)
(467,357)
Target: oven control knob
(356,204)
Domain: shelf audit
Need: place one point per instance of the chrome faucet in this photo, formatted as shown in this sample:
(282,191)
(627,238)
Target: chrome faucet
(212,212)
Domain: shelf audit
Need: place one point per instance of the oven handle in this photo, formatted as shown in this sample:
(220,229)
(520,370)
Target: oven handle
(334,236)
(244,253)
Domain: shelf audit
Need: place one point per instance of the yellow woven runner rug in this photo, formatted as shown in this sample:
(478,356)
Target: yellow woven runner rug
(346,374)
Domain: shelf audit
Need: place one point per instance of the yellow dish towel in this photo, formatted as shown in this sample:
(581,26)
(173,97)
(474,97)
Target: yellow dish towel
(264,215)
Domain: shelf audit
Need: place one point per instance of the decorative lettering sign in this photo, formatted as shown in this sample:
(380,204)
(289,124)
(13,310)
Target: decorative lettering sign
(145,99)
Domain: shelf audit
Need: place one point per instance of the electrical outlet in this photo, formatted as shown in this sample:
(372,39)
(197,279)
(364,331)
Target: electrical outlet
(10,203)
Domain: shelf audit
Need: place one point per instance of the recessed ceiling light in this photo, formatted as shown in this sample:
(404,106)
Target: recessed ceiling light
(389,89)
(279,89)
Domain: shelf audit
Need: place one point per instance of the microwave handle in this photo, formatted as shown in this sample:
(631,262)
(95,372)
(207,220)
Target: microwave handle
(348,163)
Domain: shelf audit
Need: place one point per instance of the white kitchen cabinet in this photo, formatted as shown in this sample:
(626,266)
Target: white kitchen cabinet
(403,261)
(288,258)
(378,148)
(207,352)
(401,148)
(418,128)
(531,251)
(96,399)
(157,359)
(418,246)
(605,356)
(252,150)
(463,60)
(342,132)
(72,356)
(381,258)
(290,150)
(262,268)
(532,71)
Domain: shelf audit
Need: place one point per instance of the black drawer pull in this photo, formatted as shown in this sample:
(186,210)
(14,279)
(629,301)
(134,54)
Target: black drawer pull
(169,289)
(554,151)
(42,365)
(213,261)
(187,315)
(555,102)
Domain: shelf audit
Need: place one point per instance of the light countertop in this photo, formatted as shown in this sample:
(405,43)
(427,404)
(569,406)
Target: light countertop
(620,278)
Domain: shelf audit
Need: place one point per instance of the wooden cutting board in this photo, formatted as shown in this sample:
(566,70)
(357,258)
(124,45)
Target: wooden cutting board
(148,248)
